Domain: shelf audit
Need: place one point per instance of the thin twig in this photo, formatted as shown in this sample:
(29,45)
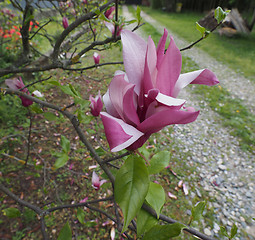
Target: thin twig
(75,122)
(33,83)
(171,221)
(29,135)
(83,204)
(117,157)
(200,39)
(39,29)
(138,26)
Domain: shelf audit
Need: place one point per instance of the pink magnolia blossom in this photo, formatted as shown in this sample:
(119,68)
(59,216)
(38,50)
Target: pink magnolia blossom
(108,13)
(111,27)
(96,104)
(16,84)
(65,22)
(96,182)
(96,57)
(144,100)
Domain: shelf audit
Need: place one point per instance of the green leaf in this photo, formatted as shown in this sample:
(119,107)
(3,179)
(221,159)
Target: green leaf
(65,144)
(164,232)
(138,15)
(224,232)
(80,215)
(131,187)
(55,83)
(200,28)
(66,89)
(145,222)
(97,11)
(74,91)
(36,109)
(65,233)
(50,116)
(233,231)
(11,212)
(61,161)
(197,210)
(158,162)
(220,14)
(156,197)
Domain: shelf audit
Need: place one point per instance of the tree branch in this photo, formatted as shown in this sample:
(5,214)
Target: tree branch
(200,39)
(75,122)
(171,221)
(72,26)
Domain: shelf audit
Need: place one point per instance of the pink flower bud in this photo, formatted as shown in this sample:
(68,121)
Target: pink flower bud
(16,84)
(65,22)
(96,104)
(96,182)
(96,57)
(108,13)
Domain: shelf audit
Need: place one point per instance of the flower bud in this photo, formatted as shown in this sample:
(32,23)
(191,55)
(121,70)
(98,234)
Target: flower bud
(65,22)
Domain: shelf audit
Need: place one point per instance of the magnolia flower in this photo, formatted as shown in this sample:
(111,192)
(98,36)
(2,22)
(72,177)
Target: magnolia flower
(108,13)
(144,100)
(111,27)
(65,22)
(96,104)
(96,182)
(96,57)
(16,84)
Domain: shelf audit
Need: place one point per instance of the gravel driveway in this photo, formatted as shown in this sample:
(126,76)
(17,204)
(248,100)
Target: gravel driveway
(226,172)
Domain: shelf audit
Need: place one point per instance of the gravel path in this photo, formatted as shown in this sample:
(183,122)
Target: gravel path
(226,172)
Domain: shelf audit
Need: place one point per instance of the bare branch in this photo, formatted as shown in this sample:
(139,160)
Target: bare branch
(72,26)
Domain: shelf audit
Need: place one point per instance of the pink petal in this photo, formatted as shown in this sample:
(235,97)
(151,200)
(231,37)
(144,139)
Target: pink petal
(166,117)
(169,101)
(161,48)
(122,98)
(110,26)
(169,70)
(151,61)
(180,183)
(112,233)
(84,200)
(96,58)
(119,134)
(95,180)
(108,105)
(203,76)
(185,189)
(92,167)
(13,83)
(172,196)
(102,182)
(134,51)
(65,22)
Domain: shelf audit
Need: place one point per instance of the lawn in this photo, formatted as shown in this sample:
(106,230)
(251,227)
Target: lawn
(237,52)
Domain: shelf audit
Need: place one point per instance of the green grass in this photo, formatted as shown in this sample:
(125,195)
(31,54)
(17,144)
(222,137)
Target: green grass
(237,52)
